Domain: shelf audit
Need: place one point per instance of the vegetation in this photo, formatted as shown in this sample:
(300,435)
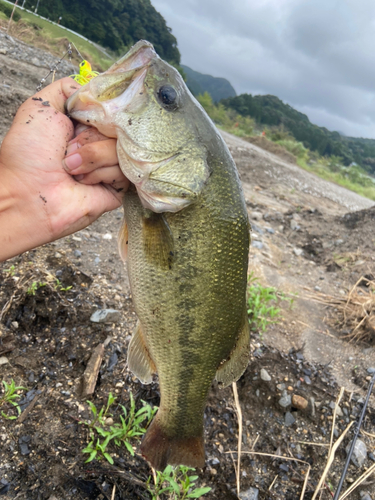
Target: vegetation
(116,24)
(331,168)
(9,397)
(176,482)
(270,111)
(132,425)
(262,304)
(198,83)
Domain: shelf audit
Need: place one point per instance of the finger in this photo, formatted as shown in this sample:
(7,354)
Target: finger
(105,175)
(85,136)
(89,157)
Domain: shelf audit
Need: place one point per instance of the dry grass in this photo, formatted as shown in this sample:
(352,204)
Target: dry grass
(353,313)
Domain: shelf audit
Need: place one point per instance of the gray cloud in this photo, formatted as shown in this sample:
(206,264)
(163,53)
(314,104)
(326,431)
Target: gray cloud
(316,55)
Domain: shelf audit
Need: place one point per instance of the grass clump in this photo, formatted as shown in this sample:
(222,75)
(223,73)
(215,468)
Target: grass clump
(132,425)
(9,397)
(176,483)
(262,304)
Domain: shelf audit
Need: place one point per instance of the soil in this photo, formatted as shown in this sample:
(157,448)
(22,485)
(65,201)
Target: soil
(312,240)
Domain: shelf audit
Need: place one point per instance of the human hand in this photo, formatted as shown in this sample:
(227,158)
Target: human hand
(39,201)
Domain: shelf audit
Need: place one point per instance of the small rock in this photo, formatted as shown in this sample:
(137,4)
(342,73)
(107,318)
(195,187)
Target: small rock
(3,51)
(107,236)
(105,316)
(77,253)
(281,387)
(339,242)
(250,494)
(270,230)
(3,360)
(15,325)
(109,421)
(76,238)
(264,375)
(359,453)
(294,225)
(257,244)
(371,371)
(285,400)
(307,380)
(35,61)
(58,255)
(289,419)
(299,402)
(257,229)
(298,251)
(256,215)
(364,495)
(97,260)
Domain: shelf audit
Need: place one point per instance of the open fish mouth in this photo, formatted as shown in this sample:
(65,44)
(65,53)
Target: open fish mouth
(120,88)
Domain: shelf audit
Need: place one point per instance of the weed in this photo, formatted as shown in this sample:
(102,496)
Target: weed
(60,288)
(176,482)
(10,396)
(132,425)
(261,304)
(34,287)
(11,271)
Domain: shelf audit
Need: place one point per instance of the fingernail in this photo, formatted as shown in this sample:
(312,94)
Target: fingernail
(72,162)
(71,148)
(79,177)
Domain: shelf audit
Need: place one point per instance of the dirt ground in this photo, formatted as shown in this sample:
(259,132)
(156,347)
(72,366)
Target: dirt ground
(311,240)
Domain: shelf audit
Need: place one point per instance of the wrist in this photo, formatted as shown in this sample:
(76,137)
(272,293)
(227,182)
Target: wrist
(22,227)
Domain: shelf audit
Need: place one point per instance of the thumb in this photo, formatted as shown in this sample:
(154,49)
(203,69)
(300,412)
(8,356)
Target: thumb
(57,93)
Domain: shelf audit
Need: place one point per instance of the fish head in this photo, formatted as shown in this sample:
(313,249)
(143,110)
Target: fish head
(144,103)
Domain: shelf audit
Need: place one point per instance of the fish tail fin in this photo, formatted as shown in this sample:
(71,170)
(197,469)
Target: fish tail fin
(159,449)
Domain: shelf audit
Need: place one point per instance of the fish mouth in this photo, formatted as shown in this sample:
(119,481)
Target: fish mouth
(114,90)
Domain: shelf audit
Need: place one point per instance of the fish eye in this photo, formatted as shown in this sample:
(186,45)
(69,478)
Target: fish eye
(167,95)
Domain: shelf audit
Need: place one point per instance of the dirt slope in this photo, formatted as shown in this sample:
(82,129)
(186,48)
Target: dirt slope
(304,242)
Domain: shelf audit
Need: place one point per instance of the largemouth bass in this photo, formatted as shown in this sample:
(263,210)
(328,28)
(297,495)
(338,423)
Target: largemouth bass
(186,241)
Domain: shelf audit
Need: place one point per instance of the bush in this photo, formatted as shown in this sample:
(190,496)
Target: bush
(294,147)
(7,9)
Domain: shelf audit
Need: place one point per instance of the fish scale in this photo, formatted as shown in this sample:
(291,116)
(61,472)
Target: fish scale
(186,238)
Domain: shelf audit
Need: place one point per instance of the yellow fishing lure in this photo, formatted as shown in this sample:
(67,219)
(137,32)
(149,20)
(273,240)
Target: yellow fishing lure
(85,73)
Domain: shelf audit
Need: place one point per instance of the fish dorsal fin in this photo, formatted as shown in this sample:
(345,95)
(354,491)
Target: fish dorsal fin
(233,367)
(123,241)
(157,240)
(139,359)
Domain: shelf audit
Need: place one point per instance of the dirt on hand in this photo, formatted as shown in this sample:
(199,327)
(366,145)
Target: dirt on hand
(312,240)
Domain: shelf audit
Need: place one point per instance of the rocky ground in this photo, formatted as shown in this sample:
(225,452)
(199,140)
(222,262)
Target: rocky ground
(312,240)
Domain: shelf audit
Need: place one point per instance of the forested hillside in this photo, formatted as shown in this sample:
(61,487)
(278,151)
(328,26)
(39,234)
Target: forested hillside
(199,83)
(270,110)
(116,24)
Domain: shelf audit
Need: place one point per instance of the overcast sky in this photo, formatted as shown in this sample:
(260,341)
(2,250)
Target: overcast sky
(316,55)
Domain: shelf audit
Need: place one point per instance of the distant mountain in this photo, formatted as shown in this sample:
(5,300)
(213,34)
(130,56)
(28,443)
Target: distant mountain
(115,24)
(198,83)
(270,110)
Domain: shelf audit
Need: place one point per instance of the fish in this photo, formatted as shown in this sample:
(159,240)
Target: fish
(185,239)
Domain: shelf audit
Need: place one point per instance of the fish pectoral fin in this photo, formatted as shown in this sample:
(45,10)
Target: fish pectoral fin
(123,241)
(233,367)
(157,240)
(139,359)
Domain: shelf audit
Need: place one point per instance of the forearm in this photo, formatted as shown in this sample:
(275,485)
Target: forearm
(21,226)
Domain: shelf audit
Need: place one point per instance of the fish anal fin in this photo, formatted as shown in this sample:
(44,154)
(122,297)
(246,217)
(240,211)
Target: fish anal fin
(157,240)
(159,449)
(123,241)
(233,367)
(139,359)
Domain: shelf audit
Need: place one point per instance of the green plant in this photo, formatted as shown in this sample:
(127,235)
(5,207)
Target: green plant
(11,270)
(176,482)
(10,396)
(132,425)
(261,304)
(34,287)
(60,288)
